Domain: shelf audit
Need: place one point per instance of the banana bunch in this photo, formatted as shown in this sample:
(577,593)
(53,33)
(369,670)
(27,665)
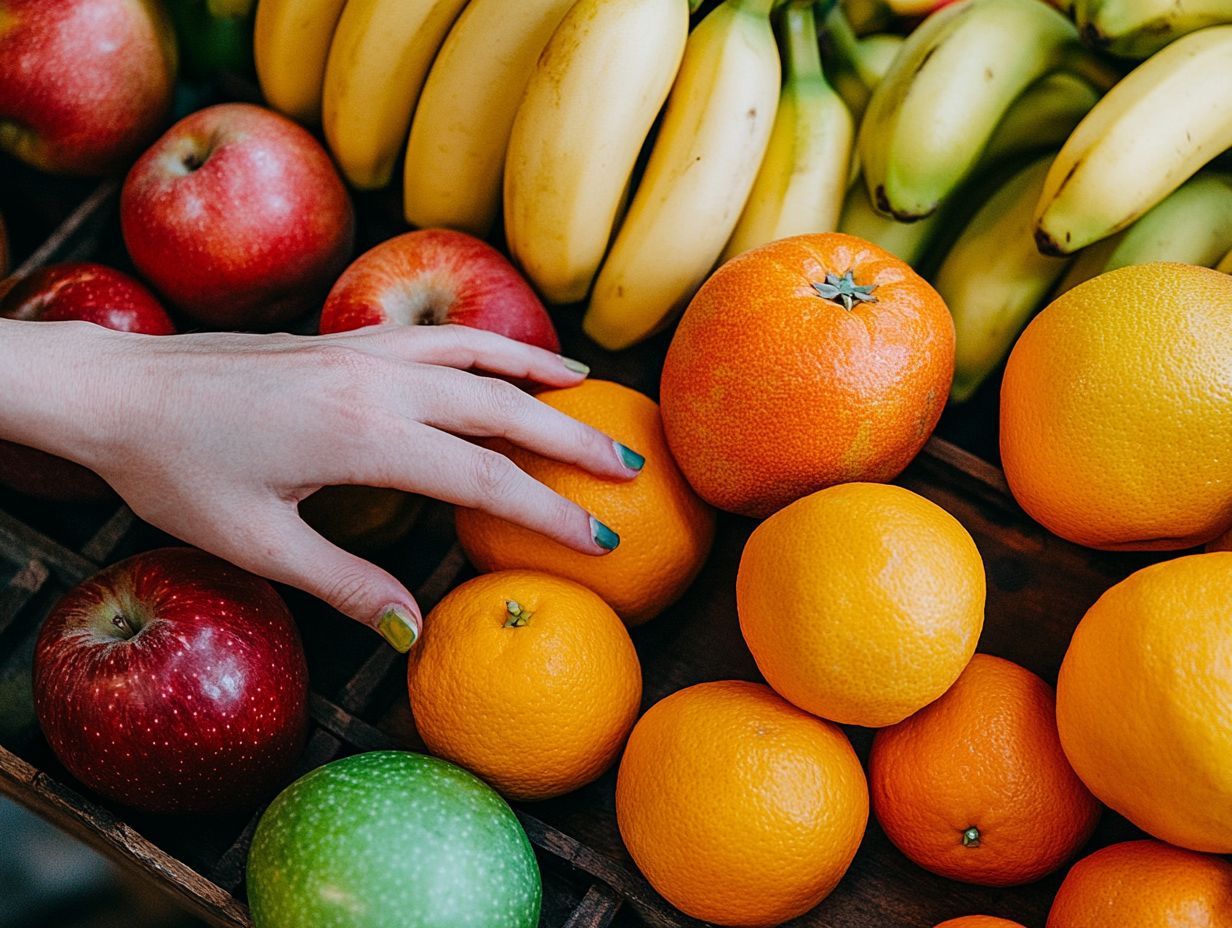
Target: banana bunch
(935,111)
(1139,28)
(1151,132)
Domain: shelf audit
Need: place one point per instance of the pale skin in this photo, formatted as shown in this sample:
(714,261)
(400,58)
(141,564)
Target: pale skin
(216,437)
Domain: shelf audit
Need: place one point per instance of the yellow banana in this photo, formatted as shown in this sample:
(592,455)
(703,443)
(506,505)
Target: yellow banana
(377,64)
(456,153)
(588,106)
(800,184)
(1149,134)
(701,168)
(1193,226)
(993,278)
(290,42)
(909,241)
(1225,264)
(931,116)
(1140,28)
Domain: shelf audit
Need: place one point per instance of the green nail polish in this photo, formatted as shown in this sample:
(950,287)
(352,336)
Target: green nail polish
(604,537)
(576,366)
(629,458)
(397,628)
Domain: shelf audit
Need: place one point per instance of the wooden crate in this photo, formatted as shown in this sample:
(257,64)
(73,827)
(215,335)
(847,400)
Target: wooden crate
(1039,586)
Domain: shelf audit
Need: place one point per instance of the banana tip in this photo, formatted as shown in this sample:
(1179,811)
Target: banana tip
(1048,245)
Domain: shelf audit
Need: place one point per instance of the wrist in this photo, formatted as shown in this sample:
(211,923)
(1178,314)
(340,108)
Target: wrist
(53,386)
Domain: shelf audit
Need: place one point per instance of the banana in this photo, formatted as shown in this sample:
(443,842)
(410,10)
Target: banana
(1139,28)
(1151,132)
(856,64)
(594,94)
(377,64)
(802,178)
(1225,263)
(1193,225)
(1041,118)
(910,241)
(701,169)
(456,153)
(993,278)
(933,113)
(867,16)
(290,42)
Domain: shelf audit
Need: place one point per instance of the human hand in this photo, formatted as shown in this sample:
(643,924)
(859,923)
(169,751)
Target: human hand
(215,438)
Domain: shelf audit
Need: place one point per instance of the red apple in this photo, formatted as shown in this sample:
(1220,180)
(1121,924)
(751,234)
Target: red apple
(173,682)
(84,84)
(61,292)
(238,217)
(433,277)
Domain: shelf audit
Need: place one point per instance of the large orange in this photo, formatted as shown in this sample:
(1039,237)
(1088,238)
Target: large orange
(739,808)
(528,680)
(773,388)
(665,530)
(975,786)
(1144,700)
(979,921)
(1144,884)
(861,603)
(1116,424)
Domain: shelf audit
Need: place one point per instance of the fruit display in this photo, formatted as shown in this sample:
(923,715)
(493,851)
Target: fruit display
(908,328)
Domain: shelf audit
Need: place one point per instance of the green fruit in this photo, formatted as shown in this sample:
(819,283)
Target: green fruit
(391,840)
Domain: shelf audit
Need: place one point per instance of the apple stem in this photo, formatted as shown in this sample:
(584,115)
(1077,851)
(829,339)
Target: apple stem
(517,615)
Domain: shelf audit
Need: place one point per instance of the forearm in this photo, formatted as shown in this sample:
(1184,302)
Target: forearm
(54,380)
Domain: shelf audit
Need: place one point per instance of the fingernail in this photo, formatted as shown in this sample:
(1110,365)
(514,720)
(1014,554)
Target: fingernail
(604,537)
(629,458)
(398,628)
(576,366)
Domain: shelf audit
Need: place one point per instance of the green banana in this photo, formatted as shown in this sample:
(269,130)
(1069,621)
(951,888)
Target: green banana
(932,115)
(1139,28)
(1148,135)
(1225,263)
(1193,225)
(909,241)
(1041,118)
(856,65)
(993,278)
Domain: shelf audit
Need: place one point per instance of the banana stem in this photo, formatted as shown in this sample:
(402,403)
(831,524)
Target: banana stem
(847,44)
(803,55)
(756,7)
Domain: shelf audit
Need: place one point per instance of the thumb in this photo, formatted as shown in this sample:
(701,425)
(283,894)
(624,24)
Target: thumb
(353,586)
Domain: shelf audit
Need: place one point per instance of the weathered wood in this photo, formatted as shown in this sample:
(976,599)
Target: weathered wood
(100,829)
(64,243)
(23,587)
(18,539)
(597,909)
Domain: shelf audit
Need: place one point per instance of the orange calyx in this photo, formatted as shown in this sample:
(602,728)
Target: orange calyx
(845,291)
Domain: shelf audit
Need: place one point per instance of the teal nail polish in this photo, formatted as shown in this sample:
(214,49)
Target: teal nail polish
(604,537)
(629,458)
(398,628)
(576,366)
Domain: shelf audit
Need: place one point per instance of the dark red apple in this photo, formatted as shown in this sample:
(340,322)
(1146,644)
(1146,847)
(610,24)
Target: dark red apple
(84,84)
(173,682)
(238,217)
(60,292)
(433,277)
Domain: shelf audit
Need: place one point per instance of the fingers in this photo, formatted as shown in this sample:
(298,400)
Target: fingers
(484,406)
(451,469)
(464,347)
(299,557)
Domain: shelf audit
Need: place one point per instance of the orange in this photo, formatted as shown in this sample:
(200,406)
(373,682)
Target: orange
(861,603)
(739,808)
(979,921)
(1144,700)
(1144,884)
(1116,429)
(665,530)
(772,390)
(975,786)
(528,680)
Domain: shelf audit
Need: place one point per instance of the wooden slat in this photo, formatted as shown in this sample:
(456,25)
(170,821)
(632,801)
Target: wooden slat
(68,566)
(20,590)
(597,909)
(117,841)
(976,468)
(109,535)
(55,248)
